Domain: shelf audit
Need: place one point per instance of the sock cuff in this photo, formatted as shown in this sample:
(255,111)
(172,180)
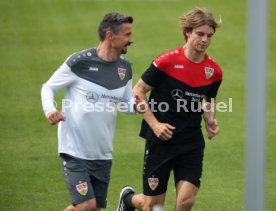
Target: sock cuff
(128,201)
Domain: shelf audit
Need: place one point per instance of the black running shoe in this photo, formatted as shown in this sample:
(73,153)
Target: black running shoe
(124,193)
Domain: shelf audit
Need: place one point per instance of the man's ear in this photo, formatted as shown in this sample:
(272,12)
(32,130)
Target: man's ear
(188,33)
(108,35)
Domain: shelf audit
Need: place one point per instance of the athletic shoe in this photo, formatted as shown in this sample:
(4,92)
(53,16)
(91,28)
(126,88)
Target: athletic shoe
(122,203)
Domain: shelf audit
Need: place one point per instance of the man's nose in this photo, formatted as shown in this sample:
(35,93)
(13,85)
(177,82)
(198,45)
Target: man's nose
(205,38)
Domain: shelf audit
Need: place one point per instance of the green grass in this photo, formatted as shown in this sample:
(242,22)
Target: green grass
(37,36)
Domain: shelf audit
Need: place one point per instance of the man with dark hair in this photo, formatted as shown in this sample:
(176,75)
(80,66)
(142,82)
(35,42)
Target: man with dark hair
(97,80)
(187,80)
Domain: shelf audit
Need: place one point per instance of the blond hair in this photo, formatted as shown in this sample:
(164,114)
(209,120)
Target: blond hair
(197,17)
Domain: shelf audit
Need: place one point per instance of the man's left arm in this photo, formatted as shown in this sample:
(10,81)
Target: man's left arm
(128,101)
(211,124)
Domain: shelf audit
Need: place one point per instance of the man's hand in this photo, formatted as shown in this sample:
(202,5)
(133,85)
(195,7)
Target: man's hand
(55,117)
(163,131)
(212,128)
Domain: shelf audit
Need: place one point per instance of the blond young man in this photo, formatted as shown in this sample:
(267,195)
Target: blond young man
(183,81)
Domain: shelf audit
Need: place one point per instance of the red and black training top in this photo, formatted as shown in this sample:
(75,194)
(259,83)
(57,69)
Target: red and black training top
(178,89)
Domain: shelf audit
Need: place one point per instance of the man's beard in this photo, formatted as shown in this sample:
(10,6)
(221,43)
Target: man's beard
(124,50)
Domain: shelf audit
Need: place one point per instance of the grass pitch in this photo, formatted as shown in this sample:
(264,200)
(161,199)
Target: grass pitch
(37,36)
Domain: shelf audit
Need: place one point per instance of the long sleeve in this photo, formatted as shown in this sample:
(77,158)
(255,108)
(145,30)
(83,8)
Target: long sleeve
(61,78)
(129,99)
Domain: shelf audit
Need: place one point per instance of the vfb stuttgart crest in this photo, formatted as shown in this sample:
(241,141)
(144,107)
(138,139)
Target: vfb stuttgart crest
(209,71)
(82,188)
(153,183)
(121,73)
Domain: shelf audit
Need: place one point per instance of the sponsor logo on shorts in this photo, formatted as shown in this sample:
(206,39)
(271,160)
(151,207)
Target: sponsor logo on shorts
(153,183)
(82,188)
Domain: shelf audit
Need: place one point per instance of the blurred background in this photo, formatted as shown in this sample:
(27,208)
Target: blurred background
(37,36)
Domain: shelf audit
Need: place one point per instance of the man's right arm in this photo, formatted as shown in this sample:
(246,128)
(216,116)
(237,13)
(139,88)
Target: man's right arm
(61,78)
(163,131)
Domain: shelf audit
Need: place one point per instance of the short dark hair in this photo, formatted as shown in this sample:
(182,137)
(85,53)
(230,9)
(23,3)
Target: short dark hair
(112,22)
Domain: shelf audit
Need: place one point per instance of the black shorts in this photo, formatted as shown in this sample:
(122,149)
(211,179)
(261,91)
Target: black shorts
(183,158)
(86,179)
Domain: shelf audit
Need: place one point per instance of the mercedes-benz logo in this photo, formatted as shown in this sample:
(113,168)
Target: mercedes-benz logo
(92,97)
(177,94)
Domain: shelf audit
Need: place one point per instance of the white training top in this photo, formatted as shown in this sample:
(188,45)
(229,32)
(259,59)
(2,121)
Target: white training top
(95,91)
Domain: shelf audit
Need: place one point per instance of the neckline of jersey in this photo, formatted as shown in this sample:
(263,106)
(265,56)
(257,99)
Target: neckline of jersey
(186,58)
